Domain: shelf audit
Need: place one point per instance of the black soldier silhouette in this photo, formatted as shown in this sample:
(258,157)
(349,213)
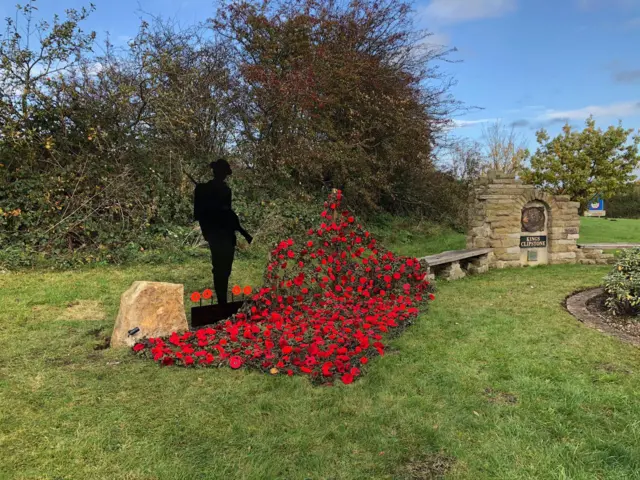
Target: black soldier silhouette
(219,224)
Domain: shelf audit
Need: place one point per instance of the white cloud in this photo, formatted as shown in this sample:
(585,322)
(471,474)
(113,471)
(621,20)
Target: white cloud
(94,68)
(614,110)
(439,39)
(453,11)
(470,123)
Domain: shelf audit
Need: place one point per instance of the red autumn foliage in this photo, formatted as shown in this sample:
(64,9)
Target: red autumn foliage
(323,316)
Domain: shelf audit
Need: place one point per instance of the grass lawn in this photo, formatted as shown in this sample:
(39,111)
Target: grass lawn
(603,230)
(69,411)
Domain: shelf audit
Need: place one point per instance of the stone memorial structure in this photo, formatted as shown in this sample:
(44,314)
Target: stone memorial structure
(525,226)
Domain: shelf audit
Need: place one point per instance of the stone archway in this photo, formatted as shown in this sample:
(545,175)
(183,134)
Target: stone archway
(495,221)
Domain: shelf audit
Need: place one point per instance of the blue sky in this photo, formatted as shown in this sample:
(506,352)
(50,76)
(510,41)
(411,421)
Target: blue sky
(539,63)
(530,63)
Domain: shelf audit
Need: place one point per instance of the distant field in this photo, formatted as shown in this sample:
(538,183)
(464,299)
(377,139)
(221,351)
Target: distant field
(617,230)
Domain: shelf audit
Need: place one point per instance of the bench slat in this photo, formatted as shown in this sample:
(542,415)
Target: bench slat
(454,256)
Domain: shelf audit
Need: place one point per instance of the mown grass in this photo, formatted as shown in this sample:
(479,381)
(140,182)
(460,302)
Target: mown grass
(69,411)
(604,230)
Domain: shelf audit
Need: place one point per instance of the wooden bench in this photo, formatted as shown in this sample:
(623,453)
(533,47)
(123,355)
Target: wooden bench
(457,263)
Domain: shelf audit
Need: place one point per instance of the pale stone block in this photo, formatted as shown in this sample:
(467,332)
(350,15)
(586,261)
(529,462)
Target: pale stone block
(585,261)
(563,256)
(557,248)
(156,308)
(452,272)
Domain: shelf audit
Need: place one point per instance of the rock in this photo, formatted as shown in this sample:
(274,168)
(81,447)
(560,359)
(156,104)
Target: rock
(156,308)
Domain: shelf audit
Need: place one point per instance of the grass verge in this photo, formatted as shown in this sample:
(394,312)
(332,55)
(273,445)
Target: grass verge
(605,230)
(496,381)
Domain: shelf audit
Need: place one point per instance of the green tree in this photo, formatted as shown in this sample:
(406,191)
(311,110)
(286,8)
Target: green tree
(582,164)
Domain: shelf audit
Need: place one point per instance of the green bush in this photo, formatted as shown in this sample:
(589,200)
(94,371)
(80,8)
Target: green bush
(625,205)
(622,285)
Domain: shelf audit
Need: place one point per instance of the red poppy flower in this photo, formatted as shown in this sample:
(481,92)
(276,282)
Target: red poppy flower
(207,294)
(364,360)
(236,290)
(347,378)
(195,297)
(138,346)
(235,362)
(247,290)
(432,297)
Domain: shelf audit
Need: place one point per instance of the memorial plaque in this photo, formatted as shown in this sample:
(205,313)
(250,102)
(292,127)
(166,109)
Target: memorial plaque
(533,219)
(532,255)
(535,241)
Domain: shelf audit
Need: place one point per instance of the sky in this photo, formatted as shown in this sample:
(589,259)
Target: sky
(529,63)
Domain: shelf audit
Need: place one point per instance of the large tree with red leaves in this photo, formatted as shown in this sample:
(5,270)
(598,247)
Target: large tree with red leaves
(345,95)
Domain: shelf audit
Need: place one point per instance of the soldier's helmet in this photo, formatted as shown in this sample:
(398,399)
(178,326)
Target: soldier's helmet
(221,168)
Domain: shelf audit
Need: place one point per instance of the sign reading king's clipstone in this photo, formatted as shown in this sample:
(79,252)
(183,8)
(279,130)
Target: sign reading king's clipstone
(536,241)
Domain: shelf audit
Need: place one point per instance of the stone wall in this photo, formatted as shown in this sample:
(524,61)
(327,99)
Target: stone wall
(495,210)
(594,256)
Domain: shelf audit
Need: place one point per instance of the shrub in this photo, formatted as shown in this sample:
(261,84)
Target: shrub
(622,285)
(625,205)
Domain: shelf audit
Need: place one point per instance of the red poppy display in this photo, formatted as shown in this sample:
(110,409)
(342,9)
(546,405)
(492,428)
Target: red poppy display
(207,294)
(324,313)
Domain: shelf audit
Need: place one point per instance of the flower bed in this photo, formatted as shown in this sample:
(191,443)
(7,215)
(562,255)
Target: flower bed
(324,310)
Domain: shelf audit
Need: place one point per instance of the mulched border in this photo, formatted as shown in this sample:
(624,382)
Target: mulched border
(576,304)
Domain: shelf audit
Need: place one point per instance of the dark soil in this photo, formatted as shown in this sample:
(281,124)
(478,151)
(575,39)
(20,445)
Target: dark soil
(627,324)
(504,398)
(430,467)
